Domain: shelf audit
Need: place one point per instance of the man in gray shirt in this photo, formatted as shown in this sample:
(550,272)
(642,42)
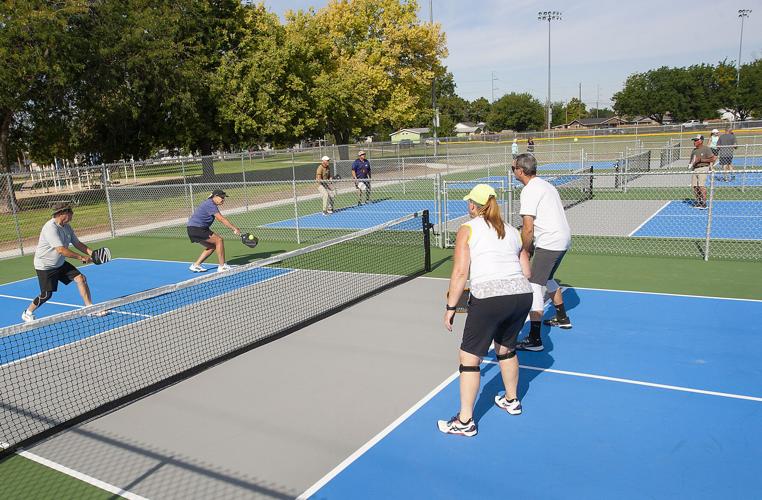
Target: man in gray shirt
(726,145)
(50,259)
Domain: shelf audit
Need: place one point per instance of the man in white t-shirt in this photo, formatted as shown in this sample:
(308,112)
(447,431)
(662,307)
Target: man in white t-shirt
(546,230)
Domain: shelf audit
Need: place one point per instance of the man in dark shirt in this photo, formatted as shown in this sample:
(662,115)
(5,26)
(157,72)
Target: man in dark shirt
(727,144)
(701,161)
(361,175)
(199,231)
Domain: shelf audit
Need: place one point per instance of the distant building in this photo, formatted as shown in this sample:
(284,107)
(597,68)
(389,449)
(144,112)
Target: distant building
(587,123)
(468,129)
(409,135)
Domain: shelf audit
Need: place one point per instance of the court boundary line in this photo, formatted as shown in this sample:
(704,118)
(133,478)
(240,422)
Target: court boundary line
(634,291)
(375,439)
(649,219)
(81,476)
(77,306)
(677,388)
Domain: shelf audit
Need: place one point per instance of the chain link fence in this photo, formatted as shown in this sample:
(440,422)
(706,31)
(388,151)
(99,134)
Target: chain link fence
(634,202)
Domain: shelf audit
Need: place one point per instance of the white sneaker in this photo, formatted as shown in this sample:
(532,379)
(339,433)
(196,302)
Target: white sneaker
(197,269)
(223,268)
(27,316)
(513,406)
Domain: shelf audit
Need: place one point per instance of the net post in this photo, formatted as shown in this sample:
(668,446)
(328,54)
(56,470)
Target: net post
(426,225)
(14,209)
(590,186)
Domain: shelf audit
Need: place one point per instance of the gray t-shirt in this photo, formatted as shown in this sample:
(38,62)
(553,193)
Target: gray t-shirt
(53,236)
(727,140)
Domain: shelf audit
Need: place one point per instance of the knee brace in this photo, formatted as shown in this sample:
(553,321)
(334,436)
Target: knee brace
(42,298)
(552,286)
(464,368)
(538,297)
(509,355)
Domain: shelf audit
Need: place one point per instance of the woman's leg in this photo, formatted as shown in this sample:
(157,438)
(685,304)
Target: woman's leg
(469,384)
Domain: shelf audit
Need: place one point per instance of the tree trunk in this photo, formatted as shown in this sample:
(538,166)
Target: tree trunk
(207,162)
(7,195)
(342,139)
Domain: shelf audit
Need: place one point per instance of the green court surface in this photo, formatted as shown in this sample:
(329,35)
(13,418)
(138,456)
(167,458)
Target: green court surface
(24,478)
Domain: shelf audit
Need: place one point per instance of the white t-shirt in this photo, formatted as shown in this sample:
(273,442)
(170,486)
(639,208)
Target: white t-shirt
(551,230)
(53,236)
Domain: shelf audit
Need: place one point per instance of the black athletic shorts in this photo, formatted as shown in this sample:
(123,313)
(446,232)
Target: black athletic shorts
(544,265)
(498,319)
(726,157)
(199,234)
(49,278)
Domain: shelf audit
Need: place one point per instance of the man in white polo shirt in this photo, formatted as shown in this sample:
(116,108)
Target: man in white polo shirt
(50,259)
(545,228)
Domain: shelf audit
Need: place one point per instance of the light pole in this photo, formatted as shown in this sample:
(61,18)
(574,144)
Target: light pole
(742,13)
(435,119)
(548,15)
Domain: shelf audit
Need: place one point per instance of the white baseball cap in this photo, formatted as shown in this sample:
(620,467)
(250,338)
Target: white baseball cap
(325,158)
(715,131)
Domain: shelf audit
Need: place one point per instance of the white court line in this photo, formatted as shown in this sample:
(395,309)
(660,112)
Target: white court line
(632,291)
(76,474)
(77,306)
(375,439)
(638,382)
(648,219)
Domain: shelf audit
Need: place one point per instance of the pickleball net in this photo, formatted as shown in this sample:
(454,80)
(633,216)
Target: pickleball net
(63,370)
(634,166)
(574,188)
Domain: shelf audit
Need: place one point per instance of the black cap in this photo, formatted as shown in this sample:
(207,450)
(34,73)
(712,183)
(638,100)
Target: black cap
(698,138)
(218,192)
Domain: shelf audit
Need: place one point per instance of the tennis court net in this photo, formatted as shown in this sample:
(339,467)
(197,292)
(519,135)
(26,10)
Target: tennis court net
(634,166)
(65,369)
(574,188)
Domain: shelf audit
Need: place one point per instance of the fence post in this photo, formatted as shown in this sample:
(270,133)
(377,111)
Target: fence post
(743,174)
(438,205)
(709,202)
(296,199)
(108,202)
(190,197)
(509,208)
(14,209)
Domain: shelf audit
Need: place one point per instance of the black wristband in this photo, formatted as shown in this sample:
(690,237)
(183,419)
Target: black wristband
(451,308)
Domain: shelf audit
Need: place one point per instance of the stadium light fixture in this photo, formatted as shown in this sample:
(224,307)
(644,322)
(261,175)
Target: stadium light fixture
(742,13)
(549,16)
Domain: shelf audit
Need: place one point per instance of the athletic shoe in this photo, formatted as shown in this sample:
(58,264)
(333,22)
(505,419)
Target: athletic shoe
(513,406)
(530,345)
(197,269)
(27,316)
(223,268)
(325,213)
(455,426)
(330,212)
(564,323)
(699,206)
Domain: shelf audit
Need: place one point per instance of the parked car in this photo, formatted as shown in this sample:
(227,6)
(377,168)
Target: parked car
(691,124)
(405,143)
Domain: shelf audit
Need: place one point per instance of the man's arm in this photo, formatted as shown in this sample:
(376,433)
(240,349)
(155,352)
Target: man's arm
(222,220)
(82,247)
(74,255)
(527,234)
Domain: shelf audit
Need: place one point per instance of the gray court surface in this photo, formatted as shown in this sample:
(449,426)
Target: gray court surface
(273,421)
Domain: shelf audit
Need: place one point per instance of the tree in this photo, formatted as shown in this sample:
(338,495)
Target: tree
(517,112)
(558,112)
(750,90)
(600,113)
(575,110)
(38,50)
(266,86)
(381,64)
(478,110)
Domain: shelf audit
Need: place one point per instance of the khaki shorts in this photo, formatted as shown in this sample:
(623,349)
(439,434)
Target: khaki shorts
(698,179)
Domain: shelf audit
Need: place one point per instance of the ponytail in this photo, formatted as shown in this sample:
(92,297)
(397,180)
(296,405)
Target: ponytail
(491,214)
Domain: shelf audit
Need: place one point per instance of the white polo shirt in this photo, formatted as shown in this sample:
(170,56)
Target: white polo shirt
(540,199)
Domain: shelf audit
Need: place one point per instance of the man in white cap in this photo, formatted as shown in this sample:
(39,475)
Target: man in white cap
(514,149)
(713,140)
(325,186)
(361,175)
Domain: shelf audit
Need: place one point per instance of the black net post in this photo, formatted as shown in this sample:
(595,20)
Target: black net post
(426,240)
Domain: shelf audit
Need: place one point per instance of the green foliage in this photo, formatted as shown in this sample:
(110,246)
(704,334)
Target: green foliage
(558,113)
(478,110)
(517,112)
(575,110)
(600,113)
(695,92)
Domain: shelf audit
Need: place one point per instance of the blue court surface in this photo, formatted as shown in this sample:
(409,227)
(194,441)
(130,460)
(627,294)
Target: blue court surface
(736,220)
(372,214)
(663,402)
(738,178)
(560,180)
(747,161)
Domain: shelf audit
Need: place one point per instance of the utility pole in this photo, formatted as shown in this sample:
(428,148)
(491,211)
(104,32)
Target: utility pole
(494,79)
(549,16)
(742,13)
(597,99)
(435,119)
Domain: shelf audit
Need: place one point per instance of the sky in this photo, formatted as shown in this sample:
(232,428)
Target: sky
(596,44)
